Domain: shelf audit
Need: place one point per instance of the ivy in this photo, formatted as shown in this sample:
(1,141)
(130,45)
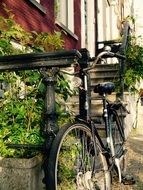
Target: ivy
(134,64)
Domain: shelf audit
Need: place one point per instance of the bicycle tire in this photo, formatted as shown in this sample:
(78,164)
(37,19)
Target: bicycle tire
(72,158)
(116,135)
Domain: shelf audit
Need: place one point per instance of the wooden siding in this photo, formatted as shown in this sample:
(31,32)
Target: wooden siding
(32,18)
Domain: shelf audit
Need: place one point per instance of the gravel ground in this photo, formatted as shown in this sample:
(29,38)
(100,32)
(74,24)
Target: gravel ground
(134,160)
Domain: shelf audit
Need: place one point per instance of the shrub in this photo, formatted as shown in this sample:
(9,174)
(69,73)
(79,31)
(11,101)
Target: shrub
(134,63)
(21,97)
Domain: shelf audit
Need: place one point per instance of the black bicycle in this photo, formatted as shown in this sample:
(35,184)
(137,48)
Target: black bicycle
(76,158)
(79,158)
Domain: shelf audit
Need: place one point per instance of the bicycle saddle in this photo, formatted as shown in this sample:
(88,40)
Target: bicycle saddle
(104,88)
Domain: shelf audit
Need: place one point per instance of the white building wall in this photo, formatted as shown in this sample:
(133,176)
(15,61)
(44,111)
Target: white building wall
(83,27)
(128,8)
(110,17)
(138,15)
(88,26)
(107,22)
(91,27)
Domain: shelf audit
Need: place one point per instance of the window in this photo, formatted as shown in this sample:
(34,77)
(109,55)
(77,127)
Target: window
(65,13)
(37,4)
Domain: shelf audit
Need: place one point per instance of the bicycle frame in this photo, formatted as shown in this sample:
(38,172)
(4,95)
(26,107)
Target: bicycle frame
(85,115)
(49,126)
(107,110)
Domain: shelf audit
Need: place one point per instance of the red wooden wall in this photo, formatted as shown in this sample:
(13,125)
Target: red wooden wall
(31,18)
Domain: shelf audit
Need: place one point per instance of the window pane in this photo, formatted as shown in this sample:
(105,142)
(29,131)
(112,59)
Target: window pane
(70,14)
(64,10)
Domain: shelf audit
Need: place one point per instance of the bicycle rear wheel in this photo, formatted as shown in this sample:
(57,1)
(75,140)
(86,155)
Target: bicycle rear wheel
(117,147)
(116,136)
(73,158)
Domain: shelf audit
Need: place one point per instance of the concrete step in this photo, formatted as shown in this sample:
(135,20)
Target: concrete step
(101,73)
(96,106)
(103,67)
(104,70)
(104,73)
(104,78)
(96,96)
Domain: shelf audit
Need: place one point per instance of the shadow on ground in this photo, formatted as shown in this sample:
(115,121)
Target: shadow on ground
(135,158)
(134,161)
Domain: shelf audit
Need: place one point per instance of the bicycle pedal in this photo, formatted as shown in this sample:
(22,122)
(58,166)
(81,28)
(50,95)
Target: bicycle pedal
(128,180)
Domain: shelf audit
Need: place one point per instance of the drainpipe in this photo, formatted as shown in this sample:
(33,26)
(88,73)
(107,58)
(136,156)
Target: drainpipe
(96,25)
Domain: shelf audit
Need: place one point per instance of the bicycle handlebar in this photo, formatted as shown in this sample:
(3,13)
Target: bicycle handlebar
(117,55)
(102,54)
(95,60)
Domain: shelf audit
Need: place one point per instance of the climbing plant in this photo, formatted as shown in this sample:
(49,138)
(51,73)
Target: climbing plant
(134,63)
(21,92)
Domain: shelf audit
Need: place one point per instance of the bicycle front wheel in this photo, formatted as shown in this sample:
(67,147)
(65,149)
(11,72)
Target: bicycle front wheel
(74,164)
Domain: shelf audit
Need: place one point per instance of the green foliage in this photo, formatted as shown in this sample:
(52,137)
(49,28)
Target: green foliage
(49,41)
(22,104)
(134,63)
(20,112)
(69,155)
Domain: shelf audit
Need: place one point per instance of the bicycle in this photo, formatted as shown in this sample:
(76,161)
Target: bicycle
(75,156)
(78,158)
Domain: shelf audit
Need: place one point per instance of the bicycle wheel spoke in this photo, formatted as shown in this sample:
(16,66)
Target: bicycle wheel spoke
(116,136)
(72,159)
(117,147)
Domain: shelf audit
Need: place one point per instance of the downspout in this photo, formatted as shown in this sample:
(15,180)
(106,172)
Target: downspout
(96,26)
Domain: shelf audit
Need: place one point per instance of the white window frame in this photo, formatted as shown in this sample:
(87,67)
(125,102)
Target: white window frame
(65,13)
(38,5)
(38,1)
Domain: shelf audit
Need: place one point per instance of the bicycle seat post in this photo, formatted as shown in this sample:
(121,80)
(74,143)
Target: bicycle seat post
(49,126)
